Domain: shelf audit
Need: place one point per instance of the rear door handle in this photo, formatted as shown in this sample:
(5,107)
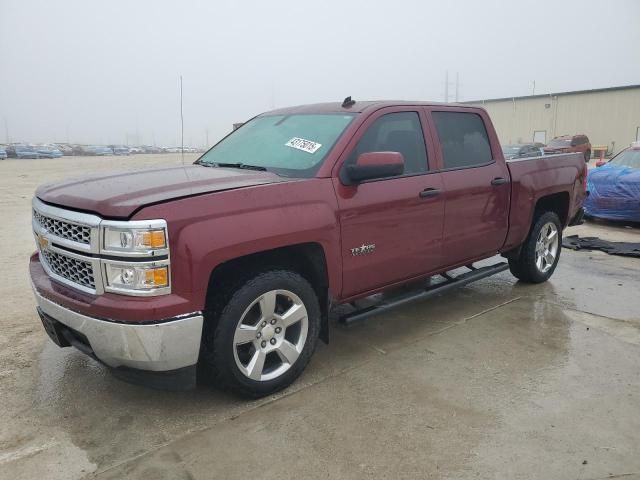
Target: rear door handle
(499,181)
(429,193)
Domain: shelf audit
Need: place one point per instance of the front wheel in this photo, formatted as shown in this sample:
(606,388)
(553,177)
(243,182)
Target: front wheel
(540,252)
(264,336)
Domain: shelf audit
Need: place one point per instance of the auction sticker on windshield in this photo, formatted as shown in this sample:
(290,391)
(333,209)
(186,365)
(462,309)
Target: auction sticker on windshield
(304,145)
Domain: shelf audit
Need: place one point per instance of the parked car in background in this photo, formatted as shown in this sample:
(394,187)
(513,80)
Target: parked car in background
(64,148)
(48,151)
(135,150)
(3,152)
(521,150)
(119,150)
(205,263)
(83,150)
(21,151)
(614,187)
(101,150)
(150,149)
(570,144)
(92,150)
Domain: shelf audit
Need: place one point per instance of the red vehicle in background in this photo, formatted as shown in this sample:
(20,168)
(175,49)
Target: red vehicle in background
(570,144)
(232,264)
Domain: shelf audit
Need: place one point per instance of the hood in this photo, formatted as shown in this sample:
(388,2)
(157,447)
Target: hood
(119,195)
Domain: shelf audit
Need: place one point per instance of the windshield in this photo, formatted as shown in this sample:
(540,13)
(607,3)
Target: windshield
(627,158)
(289,145)
(560,142)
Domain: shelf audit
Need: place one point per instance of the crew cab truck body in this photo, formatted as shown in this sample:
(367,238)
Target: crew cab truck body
(232,264)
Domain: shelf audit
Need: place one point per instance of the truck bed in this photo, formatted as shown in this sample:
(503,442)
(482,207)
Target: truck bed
(536,177)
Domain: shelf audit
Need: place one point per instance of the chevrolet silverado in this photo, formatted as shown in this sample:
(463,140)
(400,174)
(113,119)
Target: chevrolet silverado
(227,268)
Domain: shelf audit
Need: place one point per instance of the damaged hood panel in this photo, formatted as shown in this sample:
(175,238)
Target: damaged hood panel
(119,195)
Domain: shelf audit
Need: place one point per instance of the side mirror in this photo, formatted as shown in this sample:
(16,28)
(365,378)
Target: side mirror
(600,163)
(372,165)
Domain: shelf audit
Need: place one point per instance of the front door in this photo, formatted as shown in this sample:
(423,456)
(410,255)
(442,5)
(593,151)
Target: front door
(477,187)
(391,229)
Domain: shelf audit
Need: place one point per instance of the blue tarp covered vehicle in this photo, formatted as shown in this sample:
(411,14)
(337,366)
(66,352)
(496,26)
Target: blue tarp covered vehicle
(614,188)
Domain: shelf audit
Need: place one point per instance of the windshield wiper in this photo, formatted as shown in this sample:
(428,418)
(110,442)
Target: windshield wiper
(242,166)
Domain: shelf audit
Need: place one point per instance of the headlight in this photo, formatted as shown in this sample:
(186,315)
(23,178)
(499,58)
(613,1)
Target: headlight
(136,278)
(143,240)
(137,257)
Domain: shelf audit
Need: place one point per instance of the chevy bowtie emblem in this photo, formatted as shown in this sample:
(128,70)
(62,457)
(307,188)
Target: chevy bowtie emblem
(42,241)
(363,249)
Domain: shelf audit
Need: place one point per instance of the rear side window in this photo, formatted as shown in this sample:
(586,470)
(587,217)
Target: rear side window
(463,139)
(396,132)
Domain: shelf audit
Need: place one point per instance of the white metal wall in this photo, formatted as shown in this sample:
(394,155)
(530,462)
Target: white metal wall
(609,117)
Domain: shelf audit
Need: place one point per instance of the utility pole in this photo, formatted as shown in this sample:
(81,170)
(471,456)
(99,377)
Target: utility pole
(181,124)
(447,84)
(446,87)
(533,91)
(207,144)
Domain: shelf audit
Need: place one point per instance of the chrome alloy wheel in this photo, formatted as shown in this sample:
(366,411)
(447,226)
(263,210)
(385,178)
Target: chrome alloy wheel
(270,335)
(547,247)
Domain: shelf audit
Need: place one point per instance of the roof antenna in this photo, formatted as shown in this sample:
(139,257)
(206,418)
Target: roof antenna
(347,103)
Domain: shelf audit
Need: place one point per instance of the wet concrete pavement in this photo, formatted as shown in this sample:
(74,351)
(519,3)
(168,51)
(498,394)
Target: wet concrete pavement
(494,380)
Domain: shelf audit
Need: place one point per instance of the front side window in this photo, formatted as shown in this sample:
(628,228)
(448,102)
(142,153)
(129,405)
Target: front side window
(289,145)
(396,132)
(463,139)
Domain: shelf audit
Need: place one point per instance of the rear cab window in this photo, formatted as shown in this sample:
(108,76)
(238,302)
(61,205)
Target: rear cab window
(463,138)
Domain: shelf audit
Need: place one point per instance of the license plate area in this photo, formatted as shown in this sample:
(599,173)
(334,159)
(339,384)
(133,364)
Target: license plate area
(53,329)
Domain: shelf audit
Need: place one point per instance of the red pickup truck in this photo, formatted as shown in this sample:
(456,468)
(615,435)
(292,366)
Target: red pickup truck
(232,264)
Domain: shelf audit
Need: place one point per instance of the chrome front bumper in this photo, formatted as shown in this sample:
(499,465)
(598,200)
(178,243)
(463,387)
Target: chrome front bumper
(157,347)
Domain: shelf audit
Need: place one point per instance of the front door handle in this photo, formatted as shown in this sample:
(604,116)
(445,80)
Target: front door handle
(429,193)
(499,181)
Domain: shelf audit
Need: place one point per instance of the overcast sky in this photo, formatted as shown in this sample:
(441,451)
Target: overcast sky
(108,71)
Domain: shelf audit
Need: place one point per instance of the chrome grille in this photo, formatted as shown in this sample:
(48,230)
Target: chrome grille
(63,229)
(76,271)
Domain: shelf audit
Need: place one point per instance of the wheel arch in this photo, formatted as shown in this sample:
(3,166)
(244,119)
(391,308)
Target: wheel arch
(307,259)
(555,202)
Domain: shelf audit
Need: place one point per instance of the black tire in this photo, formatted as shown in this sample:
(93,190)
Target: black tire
(524,266)
(218,363)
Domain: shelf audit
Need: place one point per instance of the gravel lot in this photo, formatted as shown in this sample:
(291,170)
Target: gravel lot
(494,380)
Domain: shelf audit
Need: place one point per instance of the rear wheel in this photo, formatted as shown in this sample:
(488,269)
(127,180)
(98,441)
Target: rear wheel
(264,335)
(541,251)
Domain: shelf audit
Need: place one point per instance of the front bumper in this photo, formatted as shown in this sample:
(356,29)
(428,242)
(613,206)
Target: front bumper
(163,346)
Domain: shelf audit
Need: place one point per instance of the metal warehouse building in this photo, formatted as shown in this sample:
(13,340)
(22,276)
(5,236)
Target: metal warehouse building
(608,116)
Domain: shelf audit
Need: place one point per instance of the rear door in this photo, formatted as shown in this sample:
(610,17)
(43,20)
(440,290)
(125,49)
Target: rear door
(391,228)
(476,185)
